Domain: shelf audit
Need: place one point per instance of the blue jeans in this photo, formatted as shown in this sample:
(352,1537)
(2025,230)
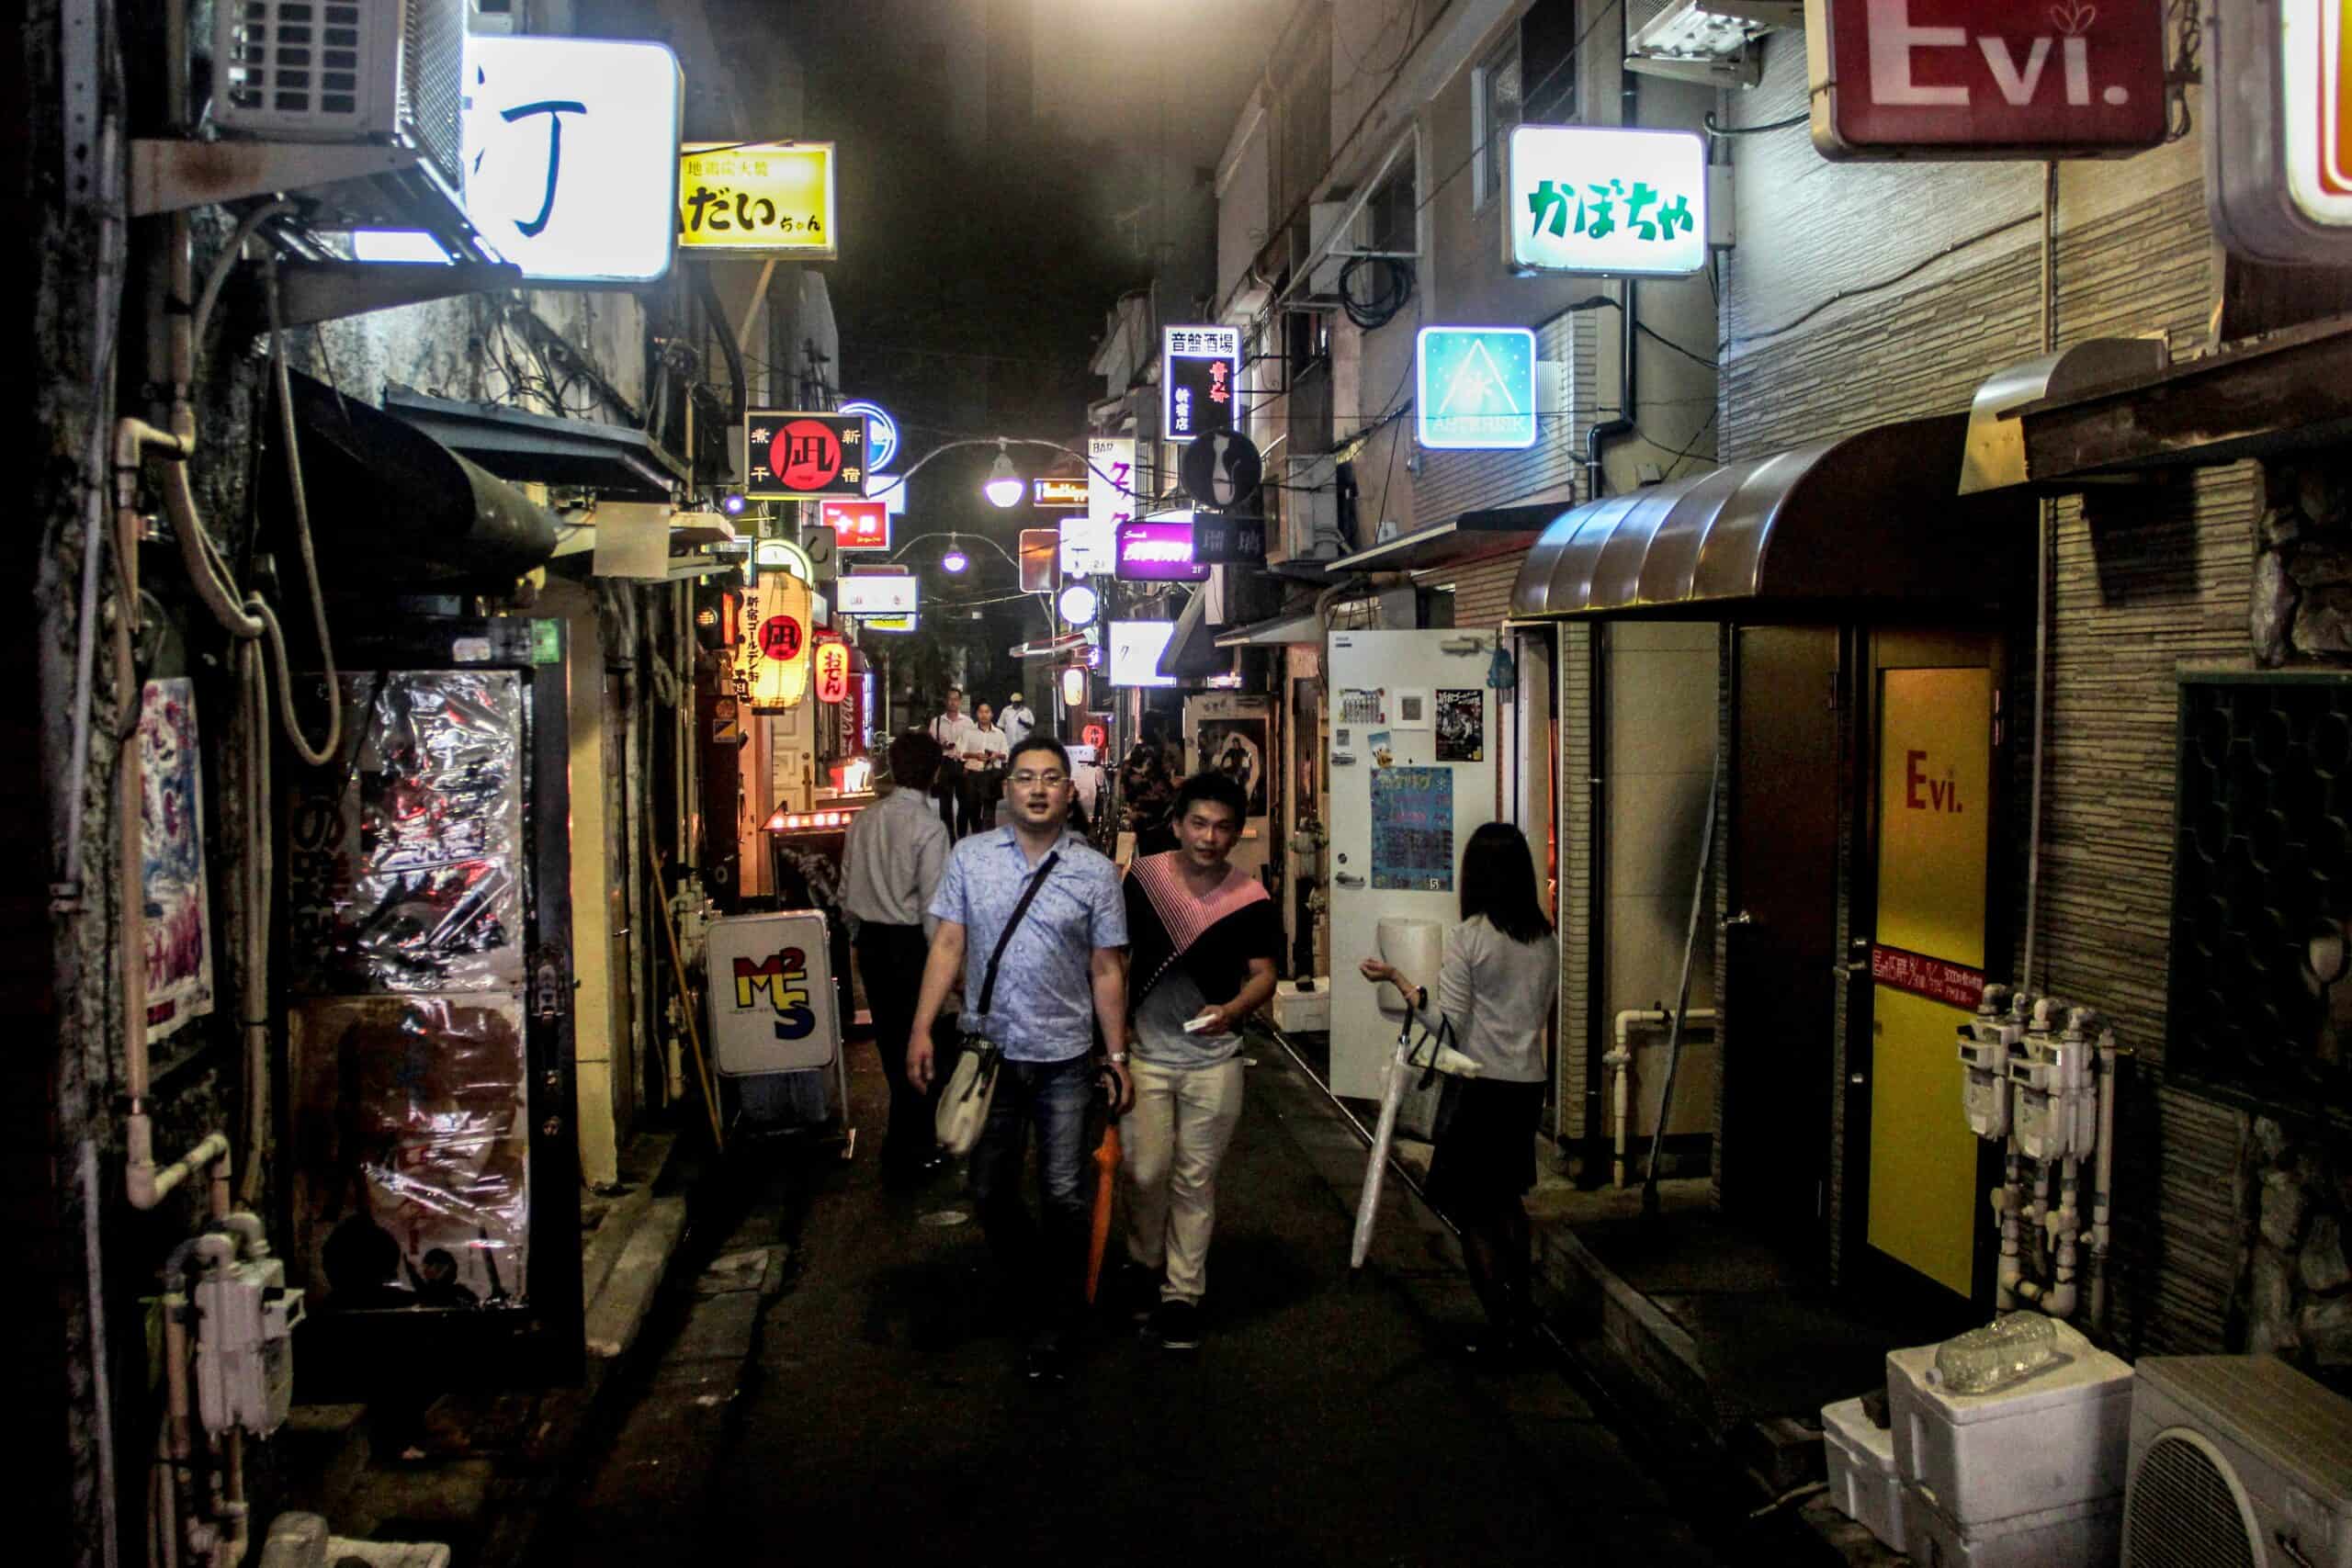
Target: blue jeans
(1045,1259)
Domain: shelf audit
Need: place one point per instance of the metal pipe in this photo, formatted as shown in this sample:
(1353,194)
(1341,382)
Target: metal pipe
(1619,1060)
(1682,990)
(2103,1178)
(2045,519)
(1596,874)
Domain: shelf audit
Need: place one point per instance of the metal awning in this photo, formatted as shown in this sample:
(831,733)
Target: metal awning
(613,460)
(2289,391)
(1996,450)
(1492,532)
(1295,626)
(1868,517)
(391,505)
(1191,650)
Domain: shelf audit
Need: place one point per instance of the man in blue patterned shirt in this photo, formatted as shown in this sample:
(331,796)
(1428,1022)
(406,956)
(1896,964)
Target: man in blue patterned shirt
(1065,955)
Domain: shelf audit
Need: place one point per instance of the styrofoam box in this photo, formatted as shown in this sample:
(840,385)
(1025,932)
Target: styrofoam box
(2080,1535)
(1296,1011)
(1863,1481)
(2060,1438)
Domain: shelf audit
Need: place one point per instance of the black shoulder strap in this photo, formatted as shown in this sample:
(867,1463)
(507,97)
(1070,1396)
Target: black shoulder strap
(987,985)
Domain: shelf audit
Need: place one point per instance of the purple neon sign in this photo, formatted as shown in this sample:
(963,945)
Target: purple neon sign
(1159,550)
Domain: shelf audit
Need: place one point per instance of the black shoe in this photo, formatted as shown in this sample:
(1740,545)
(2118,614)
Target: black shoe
(1177,1325)
(1046,1361)
(1134,1291)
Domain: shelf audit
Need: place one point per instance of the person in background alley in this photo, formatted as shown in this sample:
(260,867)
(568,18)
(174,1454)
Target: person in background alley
(1017,720)
(1064,956)
(1495,989)
(1205,935)
(1147,789)
(949,729)
(891,865)
(984,755)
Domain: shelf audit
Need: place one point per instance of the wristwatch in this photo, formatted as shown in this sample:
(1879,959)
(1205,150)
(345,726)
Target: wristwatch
(1118,1058)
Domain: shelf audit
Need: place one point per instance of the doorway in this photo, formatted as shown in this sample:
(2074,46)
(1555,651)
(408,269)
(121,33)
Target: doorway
(1781,934)
(1928,767)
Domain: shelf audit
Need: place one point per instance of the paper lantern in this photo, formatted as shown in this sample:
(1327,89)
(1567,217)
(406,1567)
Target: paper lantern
(832,670)
(781,677)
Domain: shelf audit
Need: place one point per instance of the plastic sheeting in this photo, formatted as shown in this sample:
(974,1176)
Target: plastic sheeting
(405,867)
(411,1142)
(405,904)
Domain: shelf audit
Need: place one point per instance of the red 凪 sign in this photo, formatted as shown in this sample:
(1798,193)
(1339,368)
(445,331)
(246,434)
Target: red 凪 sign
(856,524)
(1954,985)
(1986,78)
(1094,735)
(780,637)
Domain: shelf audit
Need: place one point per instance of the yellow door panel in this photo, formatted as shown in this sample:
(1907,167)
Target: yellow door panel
(1923,1197)
(1935,821)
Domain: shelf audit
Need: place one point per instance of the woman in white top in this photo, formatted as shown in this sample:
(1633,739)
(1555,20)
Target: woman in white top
(1495,994)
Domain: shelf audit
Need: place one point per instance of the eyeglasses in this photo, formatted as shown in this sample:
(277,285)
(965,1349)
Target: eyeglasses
(1025,780)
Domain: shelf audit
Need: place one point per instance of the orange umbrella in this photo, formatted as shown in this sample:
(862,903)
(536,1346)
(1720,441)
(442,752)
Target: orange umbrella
(1106,1176)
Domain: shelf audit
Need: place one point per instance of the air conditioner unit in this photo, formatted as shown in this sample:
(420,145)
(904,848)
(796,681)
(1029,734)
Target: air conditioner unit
(343,71)
(1310,506)
(1320,290)
(2237,1459)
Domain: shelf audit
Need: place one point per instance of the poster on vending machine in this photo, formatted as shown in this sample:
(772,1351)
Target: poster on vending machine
(1412,829)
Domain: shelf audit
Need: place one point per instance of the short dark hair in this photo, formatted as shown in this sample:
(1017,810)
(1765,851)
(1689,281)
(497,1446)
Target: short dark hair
(914,760)
(1217,789)
(1499,882)
(955,690)
(1038,740)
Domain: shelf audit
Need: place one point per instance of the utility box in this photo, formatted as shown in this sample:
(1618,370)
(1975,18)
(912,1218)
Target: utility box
(244,1347)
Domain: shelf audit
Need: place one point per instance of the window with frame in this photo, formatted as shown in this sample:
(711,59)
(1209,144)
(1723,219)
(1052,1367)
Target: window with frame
(1494,109)
(1389,218)
(2261,954)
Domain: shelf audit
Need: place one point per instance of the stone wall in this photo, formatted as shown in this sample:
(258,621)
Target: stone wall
(2295,1294)
(2303,566)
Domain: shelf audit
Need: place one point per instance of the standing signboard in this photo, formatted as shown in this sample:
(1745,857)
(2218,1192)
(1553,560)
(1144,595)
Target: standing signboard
(805,456)
(1200,372)
(2278,136)
(571,155)
(1986,78)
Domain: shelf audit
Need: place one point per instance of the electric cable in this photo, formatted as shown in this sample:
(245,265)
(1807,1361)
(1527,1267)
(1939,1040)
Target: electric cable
(1372,314)
(1708,119)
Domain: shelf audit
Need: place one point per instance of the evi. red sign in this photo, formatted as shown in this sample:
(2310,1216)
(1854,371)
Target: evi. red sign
(2036,79)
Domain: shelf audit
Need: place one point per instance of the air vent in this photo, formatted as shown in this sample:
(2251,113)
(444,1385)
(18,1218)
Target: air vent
(2183,1513)
(343,71)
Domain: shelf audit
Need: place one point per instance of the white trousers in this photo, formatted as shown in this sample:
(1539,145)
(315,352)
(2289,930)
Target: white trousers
(1172,1143)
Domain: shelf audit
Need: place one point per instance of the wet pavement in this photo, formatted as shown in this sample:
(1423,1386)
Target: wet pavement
(872,1402)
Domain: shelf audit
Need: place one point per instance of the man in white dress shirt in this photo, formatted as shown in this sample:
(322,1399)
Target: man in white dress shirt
(890,868)
(1017,720)
(949,729)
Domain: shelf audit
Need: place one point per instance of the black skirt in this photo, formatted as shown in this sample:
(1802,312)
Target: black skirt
(1484,1153)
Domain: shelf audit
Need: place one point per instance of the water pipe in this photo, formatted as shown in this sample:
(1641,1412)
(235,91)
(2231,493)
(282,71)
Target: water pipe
(1619,1062)
(2103,1178)
(2006,1199)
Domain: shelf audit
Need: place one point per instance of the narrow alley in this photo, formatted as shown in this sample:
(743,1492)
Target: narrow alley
(1323,1420)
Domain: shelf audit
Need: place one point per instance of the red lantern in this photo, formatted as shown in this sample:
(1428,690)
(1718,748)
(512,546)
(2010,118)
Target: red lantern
(832,670)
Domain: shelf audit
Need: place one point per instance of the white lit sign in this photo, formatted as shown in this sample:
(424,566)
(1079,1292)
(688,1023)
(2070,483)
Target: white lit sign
(782,555)
(1200,374)
(1135,648)
(1588,198)
(571,155)
(1090,544)
(1076,603)
(876,593)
